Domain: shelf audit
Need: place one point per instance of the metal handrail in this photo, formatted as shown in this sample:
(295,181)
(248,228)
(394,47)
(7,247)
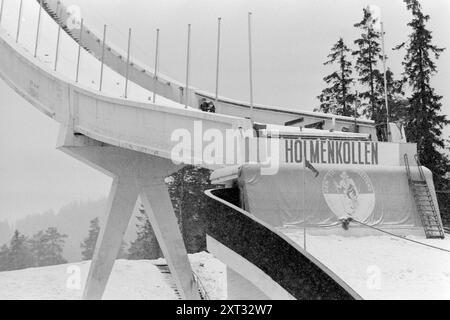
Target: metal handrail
(201,287)
(419,165)
(408,170)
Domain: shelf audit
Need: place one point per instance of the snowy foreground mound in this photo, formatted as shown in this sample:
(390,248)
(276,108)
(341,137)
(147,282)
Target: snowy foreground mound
(377,267)
(384,267)
(129,280)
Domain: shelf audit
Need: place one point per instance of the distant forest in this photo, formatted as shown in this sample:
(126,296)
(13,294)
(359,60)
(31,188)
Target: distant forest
(72,220)
(70,236)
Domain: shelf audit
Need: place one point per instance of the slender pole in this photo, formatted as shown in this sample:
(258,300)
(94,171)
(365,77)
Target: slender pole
(156,65)
(79,49)
(355,114)
(103,58)
(19,21)
(128,63)
(1,11)
(38,29)
(218,59)
(385,82)
(250,62)
(303,199)
(188,63)
(57,46)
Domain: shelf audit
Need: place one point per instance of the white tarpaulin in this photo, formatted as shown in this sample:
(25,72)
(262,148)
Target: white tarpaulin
(375,195)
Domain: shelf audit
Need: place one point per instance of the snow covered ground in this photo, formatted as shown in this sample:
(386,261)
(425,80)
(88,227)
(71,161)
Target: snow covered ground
(383,267)
(130,280)
(377,267)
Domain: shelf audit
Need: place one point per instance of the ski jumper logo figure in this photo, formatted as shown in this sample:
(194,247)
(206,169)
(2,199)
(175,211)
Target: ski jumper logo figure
(350,193)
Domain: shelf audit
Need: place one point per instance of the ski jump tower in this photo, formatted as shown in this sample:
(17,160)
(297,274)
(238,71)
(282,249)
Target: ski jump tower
(132,141)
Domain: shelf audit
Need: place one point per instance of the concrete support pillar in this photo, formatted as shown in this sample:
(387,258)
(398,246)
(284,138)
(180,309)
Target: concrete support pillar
(134,174)
(121,202)
(156,200)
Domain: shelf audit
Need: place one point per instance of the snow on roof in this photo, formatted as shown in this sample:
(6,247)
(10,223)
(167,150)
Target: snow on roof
(278,130)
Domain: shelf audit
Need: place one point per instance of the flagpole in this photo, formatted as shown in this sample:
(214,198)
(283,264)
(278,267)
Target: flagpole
(188,62)
(19,21)
(156,66)
(128,63)
(385,81)
(79,50)
(1,10)
(355,112)
(38,29)
(304,201)
(57,47)
(103,58)
(250,62)
(218,60)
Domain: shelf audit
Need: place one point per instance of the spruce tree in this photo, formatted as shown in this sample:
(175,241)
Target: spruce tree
(146,245)
(425,121)
(191,205)
(4,252)
(19,254)
(395,94)
(88,244)
(337,98)
(47,248)
(367,56)
(396,102)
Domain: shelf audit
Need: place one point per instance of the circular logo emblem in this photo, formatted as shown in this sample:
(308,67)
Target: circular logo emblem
(349,193)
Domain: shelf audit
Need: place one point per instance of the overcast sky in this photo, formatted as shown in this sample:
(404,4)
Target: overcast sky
(291,41)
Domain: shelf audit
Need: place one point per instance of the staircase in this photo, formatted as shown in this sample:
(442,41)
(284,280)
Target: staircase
(56,17)
(424,202)
(164,269)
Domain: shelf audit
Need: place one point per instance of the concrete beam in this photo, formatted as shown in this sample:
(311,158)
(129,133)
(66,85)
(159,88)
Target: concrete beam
(158,206)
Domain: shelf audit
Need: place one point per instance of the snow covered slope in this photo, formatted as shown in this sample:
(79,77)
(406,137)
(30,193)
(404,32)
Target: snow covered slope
(383,267)
(130,280)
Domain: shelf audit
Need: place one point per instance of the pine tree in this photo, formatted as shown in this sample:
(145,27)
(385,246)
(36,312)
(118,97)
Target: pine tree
(4,252)
(396,102)
(191,205)
(337,98)
(368,54)
(47,247)
(146,245)
(19,254)
(425,121)
(396,97)
(88,244)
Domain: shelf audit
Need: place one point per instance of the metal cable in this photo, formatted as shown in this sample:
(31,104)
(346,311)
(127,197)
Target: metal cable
(397,236)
